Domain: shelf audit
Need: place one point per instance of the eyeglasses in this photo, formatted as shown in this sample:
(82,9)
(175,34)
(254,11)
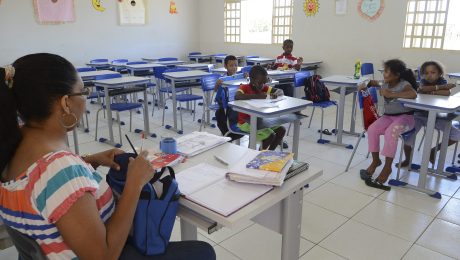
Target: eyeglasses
(85,92)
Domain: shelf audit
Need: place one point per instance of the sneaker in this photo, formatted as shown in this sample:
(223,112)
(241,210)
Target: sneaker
(285,145)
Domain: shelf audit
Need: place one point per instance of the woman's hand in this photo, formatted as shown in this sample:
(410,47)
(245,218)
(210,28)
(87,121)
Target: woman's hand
(140,171)
(105,158)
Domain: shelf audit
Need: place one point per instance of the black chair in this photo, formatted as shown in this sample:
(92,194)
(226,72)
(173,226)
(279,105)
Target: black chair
(28,249)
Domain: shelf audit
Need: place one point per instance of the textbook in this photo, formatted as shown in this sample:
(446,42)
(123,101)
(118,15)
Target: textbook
(198,142)
(270,161)
(240,173)
(296,168)
(208,186)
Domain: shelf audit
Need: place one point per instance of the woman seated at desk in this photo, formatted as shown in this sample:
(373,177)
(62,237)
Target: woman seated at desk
(54,196)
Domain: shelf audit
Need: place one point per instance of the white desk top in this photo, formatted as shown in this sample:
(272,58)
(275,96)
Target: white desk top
(144,66)
(311,63)
(254,208)
(151,59)
(261,59)
(170,62)
(281,72)
(195,66)
(90,74)
(454,75)
(194,56)
(341,80)
(118,64)
(224,70)
(289,104)
(186,74)
(238,82)
(122,81)
(433,102)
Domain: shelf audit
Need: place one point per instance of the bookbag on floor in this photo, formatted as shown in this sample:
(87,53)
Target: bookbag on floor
(315,90)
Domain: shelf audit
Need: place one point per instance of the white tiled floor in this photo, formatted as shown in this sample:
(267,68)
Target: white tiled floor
(342,217)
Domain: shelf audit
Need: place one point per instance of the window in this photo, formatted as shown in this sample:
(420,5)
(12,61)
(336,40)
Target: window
(432,24)
(255,21)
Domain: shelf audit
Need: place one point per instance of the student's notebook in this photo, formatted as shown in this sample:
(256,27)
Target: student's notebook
(270,161)
(198,142)
(207,186)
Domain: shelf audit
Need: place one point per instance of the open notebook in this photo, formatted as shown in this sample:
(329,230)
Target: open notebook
(198,142)
(207,186)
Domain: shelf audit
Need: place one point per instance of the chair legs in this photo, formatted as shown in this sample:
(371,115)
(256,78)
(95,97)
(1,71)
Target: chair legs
(311,117)
(322,121)
(119,127)
(354,151)
(421,140)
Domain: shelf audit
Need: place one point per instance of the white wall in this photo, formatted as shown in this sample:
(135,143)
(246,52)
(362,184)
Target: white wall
(98,35)
(337,40)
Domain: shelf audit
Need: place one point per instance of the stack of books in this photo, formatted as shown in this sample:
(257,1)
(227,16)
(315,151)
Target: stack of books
(266,167)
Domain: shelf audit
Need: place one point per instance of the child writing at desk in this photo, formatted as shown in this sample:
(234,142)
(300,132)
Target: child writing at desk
(432,83)
(287,61)
(399,82)
(256,89)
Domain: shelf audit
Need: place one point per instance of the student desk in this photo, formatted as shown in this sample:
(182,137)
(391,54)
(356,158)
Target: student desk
(181,76)
(221,58)
(91,75)
(285,108)
(454,75)
(142,67)
(170,62)
(238,82)
(310,65)
(108,84)
(344,82)
(223,70)
(151,59)
(279,210)
(433,104)
(198,57)
(260,61)
(195,66)
(99,65)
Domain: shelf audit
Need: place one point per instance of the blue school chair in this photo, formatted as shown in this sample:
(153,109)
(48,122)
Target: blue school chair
(367,69)
(246,69)
(220,60)
(163,90)
(167,59)
(207,85)
(299,82)
(85,69)
(101,61)
(118,107)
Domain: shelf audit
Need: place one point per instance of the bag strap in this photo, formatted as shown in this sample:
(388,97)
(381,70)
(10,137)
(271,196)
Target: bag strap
(158,175)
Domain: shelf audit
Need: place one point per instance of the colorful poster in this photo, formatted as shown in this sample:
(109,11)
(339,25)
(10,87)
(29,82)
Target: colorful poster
(311,7)
(54,11)
(97,5)
(172,7)
(371,9)
(132,12)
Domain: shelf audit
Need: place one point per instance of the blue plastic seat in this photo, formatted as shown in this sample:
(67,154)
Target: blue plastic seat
(246,69)
(85,69)
(367,69)
(167,59)
(250,63)
(207,85)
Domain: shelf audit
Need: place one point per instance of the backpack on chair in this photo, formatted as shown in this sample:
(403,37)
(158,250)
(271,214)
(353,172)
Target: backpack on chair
(315,90)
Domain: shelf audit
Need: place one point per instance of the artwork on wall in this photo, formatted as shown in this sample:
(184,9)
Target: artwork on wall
(371,9)
(98,5)
(132,12)
(172,7)
(54,11)
(340,7)
(310,7)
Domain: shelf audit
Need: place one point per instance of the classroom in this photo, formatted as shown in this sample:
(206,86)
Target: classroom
(230,129)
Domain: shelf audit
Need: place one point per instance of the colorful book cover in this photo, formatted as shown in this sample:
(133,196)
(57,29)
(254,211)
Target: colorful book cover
(270,161)
(165,160)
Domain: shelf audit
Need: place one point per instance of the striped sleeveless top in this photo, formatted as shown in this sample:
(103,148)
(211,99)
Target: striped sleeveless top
(39,197)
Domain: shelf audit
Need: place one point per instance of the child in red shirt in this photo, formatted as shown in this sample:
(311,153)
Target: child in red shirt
(256,89)
(287,60)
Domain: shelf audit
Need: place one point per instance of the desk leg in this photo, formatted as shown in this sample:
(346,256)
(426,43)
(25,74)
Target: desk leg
(340,115)
(295,139)
(253,133)
(146,113)
(443,150)
(187,231)
(427,149)
(290,225)
(353,114)
(174,102)
(109,114)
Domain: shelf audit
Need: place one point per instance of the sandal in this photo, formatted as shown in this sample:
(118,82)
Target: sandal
(325,131)
(364,175)
(376,184)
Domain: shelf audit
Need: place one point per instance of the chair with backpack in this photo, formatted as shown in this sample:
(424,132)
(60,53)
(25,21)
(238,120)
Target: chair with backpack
(318,93)
(226,117)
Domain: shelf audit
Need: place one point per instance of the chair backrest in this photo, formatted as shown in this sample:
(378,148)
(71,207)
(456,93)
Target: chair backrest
(28,248)
(136,62)
(208,82)
(158,72)
(372,92)
(194,53)
(99,60)
(120,61)
(300,77)
(246,69)
(367,69)
(167,59)
(108,76)
(85,69)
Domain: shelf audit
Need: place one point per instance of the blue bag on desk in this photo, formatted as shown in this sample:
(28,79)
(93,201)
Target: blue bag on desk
(154,218)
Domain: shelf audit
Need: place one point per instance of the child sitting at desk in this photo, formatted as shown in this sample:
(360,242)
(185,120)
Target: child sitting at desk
(432,83)
(231,65)
(399,83)
(256,89)
(287,61)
